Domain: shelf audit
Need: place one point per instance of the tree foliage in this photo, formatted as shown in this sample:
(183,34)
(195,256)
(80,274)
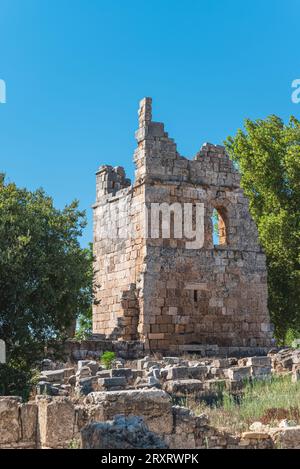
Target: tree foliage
(268,155)
(44,273)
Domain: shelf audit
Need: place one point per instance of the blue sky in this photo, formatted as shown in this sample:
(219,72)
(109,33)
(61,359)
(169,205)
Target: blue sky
(76,69)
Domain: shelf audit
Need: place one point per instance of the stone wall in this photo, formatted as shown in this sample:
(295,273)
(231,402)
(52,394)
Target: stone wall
(74,350)
(157,288)
(18,423)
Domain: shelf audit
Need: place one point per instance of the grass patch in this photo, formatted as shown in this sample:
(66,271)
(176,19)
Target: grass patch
(266,401)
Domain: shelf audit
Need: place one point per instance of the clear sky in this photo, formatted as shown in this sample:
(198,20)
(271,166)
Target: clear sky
(76,69)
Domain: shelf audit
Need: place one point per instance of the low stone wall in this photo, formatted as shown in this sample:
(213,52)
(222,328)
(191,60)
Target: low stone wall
(58,422)
(74,350)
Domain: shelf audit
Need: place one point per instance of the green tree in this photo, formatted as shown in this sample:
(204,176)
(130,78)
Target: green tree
(268,155)
(44,273)
(84,326)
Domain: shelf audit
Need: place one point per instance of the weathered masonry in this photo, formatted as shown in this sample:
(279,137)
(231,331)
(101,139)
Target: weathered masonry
(156,288)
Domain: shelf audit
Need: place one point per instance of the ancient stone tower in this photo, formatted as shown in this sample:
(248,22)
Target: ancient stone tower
(158,286)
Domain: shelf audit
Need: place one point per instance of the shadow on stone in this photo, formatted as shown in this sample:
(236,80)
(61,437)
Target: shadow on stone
(120,433)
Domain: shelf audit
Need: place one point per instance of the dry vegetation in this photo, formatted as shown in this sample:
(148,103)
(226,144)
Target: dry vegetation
(266,401)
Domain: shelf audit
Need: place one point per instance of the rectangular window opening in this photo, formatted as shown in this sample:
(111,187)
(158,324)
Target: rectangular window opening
(196,296)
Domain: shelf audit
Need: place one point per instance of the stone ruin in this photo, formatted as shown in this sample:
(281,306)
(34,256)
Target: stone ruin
(134,404)
(154,284)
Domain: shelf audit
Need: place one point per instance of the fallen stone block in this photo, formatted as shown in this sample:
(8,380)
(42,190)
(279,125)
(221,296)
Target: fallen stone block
(214,385)
(86,385)
(178,372)
(122,372)
(53,376)
(183,386)
(115,383)
(104,374)
(120,433)
(239,373)
(264,362)
(261,371)
(287,438)
(154,405)
(224,362)
(198,372)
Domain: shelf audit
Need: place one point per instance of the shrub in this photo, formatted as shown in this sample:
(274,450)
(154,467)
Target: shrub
(107,358)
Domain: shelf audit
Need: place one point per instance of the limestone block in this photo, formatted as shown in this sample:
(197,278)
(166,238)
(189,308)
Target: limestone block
(154,405)
(117,382)
(186,372)
(222,363)
(53,376)
(56,420)
(104,374)
(258,361)
(287,438)
(29,422)
(198,372)
(183,386)
(10,426)
(179,372)
(123,372)
(261,371)
(239,373)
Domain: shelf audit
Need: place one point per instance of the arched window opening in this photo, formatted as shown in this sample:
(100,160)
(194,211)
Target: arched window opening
(219,227)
